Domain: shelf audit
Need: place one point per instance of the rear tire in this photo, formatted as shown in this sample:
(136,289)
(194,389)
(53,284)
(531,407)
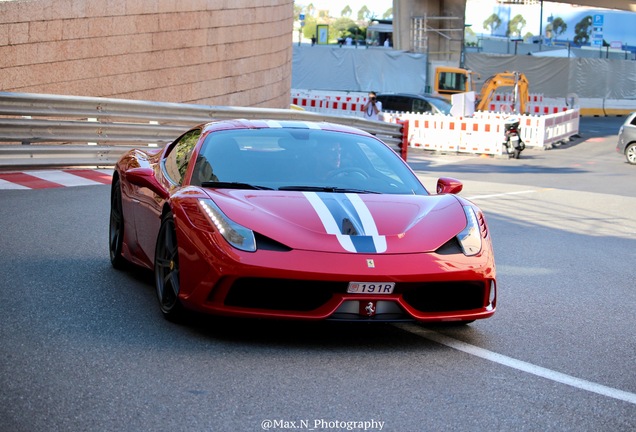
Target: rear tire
(630,153)
(167,281)
(116,227)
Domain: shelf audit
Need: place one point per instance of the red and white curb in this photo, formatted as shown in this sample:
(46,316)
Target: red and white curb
(45,179)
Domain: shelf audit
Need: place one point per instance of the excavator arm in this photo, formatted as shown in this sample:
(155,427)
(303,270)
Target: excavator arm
(517,80)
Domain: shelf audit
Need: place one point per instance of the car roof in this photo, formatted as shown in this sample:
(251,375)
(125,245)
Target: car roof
(411,95)
(236,124)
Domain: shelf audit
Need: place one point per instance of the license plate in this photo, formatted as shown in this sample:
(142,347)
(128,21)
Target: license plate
(371,287)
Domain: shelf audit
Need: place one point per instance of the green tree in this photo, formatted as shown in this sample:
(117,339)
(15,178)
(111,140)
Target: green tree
(388,13)
(582,31)
(310,26)
(516,25)
(342,27)
(559,26)
(346,12)
(492,22)
(364,14)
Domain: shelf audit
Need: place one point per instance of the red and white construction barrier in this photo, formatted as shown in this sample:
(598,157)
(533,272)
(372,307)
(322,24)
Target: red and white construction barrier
(484,132)
(548,122)
(326,102)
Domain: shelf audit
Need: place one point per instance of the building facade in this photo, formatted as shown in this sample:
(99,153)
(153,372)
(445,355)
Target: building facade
(228,53)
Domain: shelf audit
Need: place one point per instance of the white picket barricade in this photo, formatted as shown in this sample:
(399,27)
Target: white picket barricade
(548,122)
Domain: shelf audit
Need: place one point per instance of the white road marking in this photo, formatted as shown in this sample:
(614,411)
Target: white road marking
(8,185)
(439,161)
(504,194)
(63,178)
(519,364)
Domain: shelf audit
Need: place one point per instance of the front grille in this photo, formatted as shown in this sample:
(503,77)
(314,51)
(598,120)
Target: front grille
(443,296)
(304,295)
(282,294)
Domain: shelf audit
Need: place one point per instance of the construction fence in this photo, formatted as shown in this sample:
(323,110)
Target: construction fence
(551,122)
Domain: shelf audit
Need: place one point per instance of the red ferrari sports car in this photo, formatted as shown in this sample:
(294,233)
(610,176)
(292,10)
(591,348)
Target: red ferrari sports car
(298,220)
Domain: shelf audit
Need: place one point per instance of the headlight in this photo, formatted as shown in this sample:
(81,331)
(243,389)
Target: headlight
(470,237)
(237,235)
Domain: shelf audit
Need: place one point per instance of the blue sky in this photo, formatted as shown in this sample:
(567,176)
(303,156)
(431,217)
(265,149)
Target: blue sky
(617,25)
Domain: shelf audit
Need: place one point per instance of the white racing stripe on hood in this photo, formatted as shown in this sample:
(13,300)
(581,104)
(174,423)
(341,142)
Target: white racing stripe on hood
(346,241)
(368,222)
(328,221)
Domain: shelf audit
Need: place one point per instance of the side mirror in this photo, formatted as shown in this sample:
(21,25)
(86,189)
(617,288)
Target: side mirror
(447,185)
(145,177)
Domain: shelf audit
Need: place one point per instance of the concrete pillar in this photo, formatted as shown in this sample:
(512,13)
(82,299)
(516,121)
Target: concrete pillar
(444,37)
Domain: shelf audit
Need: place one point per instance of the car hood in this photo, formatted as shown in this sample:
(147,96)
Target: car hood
(346,222)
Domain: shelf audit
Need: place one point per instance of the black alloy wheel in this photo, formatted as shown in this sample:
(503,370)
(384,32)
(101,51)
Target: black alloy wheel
(167,270)
(116,227)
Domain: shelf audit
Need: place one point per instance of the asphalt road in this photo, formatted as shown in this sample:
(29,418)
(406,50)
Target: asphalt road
(84,347)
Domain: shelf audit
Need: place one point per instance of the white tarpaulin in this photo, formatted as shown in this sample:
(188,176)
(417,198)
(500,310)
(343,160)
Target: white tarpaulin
(358,69)
(558,77)
(386,70)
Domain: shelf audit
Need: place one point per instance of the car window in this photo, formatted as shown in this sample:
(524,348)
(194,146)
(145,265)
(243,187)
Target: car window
(176,160)
(452,81)
(421,106)
(395,103)
(441,104)
(297,159)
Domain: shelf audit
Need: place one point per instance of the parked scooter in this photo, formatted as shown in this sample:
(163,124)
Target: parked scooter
(514,144)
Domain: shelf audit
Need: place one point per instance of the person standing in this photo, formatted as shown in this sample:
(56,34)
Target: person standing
(373,107)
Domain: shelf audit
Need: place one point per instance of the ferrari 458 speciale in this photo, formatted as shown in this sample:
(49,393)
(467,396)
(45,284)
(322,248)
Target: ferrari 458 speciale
(298,220)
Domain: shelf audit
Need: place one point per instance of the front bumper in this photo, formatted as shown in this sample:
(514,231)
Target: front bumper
(309,286)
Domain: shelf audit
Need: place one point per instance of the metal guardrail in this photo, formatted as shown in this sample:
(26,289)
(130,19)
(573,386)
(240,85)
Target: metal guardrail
(53,130)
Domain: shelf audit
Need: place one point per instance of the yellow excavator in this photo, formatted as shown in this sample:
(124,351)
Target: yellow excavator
(516,80)
(452,80)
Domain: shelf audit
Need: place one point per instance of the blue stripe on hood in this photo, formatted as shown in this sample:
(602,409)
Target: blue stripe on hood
(334,210)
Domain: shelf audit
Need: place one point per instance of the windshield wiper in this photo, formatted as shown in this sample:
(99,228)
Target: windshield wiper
(232,185)
(326,189)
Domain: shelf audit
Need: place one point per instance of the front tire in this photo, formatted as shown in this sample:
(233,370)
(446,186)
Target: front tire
(116,227)
(630,153)
(167,280)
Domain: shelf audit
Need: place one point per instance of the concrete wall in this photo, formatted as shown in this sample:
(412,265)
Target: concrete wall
(215,52)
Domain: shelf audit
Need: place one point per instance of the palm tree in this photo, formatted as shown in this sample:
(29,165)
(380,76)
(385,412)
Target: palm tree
(559,26)
(364,13)
(582,31)
(516,25)
(493,22)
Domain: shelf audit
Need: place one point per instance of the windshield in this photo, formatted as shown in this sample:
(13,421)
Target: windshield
(301,159)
